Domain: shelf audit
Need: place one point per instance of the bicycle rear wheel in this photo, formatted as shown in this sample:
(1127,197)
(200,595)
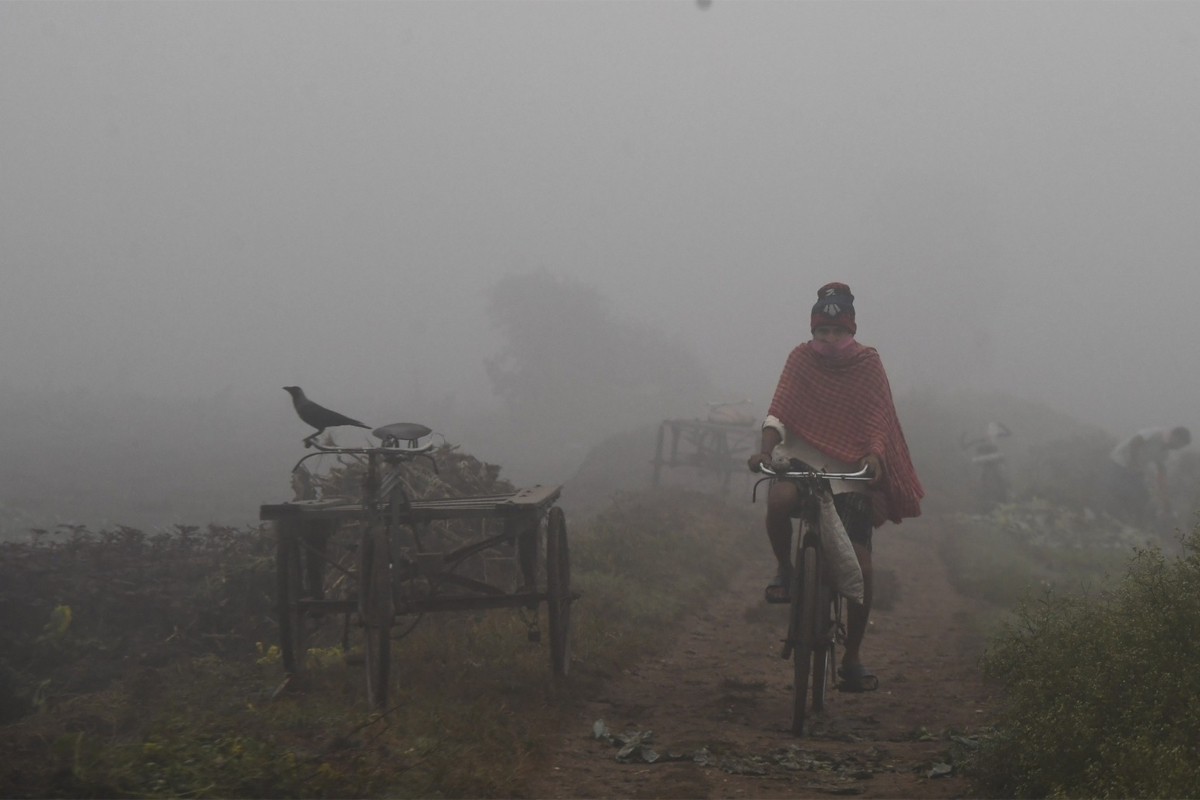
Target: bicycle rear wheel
(805,602)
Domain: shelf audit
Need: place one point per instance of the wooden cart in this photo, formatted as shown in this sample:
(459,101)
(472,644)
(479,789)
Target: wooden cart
(366,561)
(714,448)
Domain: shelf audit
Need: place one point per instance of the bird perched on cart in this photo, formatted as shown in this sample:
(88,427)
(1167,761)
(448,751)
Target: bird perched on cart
(317,415)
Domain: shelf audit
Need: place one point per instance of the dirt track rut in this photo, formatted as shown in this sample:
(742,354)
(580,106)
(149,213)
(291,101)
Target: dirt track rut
(722,689)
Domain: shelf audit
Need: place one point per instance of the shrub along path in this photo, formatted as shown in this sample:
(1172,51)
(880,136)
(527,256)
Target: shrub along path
(720,698)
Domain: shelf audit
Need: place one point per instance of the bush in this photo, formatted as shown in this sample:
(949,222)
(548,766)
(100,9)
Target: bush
(648,559)
(78,608)
(1017,548)
(1100,696)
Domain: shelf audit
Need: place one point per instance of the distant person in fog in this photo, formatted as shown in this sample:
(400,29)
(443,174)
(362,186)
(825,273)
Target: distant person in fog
(1129,472)
(984,453)
(833,410)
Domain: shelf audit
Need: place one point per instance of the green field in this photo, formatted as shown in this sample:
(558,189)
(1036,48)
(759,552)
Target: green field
(473,699)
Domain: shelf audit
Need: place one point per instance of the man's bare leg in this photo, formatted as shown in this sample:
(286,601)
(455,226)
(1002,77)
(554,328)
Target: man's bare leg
(781,502)
(856,618)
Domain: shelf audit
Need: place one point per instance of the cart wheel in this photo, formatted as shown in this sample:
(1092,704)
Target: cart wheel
(558,591)
(376,611)
(289,577)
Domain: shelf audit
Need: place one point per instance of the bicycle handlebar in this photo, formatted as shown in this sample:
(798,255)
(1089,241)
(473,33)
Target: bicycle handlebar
(360,451)
(863,474)
(411,452)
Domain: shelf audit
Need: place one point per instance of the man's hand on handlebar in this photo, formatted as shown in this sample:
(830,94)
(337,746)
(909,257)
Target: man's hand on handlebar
(872,461)
(757,460)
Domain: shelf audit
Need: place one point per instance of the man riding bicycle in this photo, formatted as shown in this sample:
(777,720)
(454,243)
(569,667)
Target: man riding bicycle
(833,410)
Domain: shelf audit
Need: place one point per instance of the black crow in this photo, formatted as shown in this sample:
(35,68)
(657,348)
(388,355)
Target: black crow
(318,416)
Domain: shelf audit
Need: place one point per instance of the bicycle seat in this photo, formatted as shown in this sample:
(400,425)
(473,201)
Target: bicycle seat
(401,432)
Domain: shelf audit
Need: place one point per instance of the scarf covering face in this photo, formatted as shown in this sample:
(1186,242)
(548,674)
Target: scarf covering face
(834,349)
(844,407)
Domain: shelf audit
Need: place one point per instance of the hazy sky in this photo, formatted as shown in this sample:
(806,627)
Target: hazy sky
(230,197)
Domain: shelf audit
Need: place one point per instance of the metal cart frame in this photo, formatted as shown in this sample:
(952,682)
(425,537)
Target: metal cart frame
(391,581)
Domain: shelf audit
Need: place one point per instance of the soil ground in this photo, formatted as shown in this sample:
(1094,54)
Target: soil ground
(722,689)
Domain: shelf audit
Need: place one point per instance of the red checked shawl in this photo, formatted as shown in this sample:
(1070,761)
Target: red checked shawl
(844,408)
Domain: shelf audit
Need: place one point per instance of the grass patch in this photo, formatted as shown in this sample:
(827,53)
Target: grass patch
(1099,697)
(1026,548)
(473,700)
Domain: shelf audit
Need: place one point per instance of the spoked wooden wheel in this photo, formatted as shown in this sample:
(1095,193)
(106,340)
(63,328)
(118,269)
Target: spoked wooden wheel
(558,591)
(289,586)
(377,613)
(805,599)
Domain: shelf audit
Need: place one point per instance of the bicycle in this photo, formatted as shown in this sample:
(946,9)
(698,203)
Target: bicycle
(382,502)
(815,626)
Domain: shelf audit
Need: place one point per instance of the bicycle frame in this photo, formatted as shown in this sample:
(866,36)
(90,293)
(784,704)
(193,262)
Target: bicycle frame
(815,618)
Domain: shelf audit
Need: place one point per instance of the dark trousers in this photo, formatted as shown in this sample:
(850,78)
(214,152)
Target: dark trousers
(855,510)
(1128,498)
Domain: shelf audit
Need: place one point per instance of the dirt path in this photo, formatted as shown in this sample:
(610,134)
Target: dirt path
(722,687)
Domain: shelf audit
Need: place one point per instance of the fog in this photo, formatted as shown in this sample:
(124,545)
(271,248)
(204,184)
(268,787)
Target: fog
(203,202)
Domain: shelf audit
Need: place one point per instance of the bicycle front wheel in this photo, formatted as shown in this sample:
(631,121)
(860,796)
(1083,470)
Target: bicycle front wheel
(825,634)
(805,609)
(377,613)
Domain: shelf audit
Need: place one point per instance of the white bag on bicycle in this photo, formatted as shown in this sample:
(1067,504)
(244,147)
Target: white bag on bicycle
(844,571)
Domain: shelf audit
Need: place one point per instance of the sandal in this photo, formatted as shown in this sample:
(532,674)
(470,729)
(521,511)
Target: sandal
(857,678)
(777,590)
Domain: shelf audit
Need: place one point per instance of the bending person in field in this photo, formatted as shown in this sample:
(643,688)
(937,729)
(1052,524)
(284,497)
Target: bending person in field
(833,410)
(1128,465)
